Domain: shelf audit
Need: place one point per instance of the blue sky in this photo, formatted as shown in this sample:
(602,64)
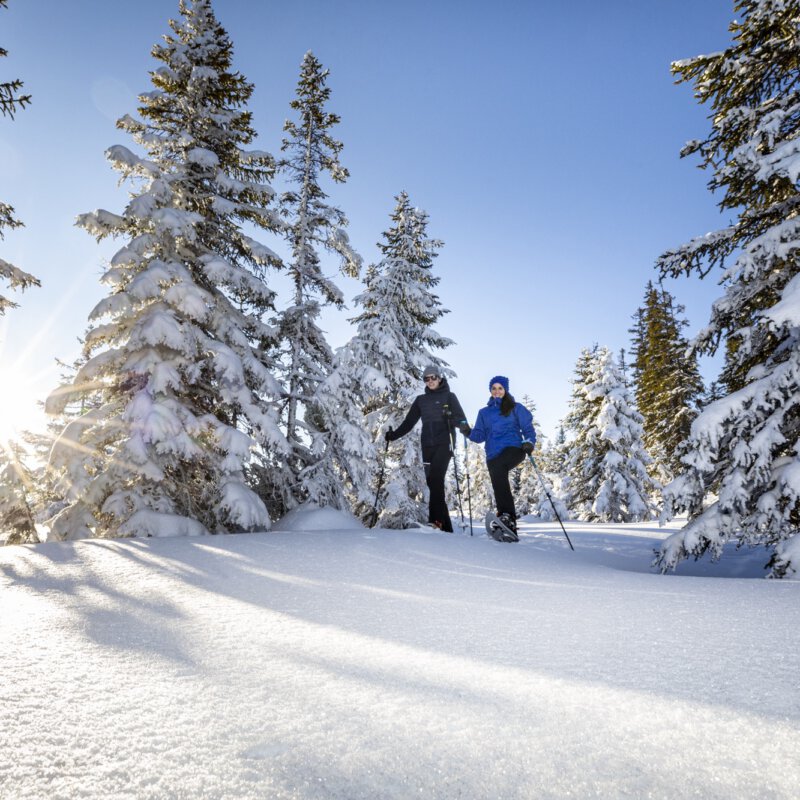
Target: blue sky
(543,139)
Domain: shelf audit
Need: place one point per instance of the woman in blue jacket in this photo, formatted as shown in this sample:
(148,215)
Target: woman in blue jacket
(507,428)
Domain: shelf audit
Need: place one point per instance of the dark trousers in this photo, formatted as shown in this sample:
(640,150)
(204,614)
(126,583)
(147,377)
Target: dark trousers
(499,468)
(435,460)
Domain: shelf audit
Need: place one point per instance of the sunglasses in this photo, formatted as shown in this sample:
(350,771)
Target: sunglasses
(430,378)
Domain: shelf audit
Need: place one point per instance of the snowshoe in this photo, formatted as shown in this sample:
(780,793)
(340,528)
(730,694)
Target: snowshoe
(497,528)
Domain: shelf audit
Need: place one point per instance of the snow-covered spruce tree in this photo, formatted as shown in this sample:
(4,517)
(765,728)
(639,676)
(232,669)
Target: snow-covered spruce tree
(41,493)
(714,392)
(553,460)
(312,226)
(10,101)
(346,455)
(666,380)
(16,278)
(532,498)
(180,362)
(393,343)
(29,491)
(16,515)
(527,486)
(578,422)
(455,486)
(53,483)
(607,463)
(480,484)
(10,98)
(745,447)
(554,454)
(623,367)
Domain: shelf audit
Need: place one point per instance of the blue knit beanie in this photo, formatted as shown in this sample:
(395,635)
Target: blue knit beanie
(501,379)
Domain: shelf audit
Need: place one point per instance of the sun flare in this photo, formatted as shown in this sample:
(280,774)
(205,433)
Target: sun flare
(19,410)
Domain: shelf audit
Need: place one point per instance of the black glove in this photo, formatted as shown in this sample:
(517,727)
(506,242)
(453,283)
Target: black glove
(390,435)
(464,428)
(527,448)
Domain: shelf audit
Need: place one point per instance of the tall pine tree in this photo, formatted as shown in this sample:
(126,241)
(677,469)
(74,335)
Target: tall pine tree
(177,351)
(312,226)
(480,484)
(745,447)
(525,484)
(553,460)
(342,475)
(666,380)
(531,496)
(10,102)
(607,463)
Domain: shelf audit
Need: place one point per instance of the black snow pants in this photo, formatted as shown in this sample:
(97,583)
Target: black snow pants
(436,460)
(499,468)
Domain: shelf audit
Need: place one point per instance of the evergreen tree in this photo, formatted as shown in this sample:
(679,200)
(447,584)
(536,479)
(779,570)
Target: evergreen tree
(623,367)
(342,474)
(744,447)
(40,490)
(714,392)
(555,453)
(666,380)
(181,363)
(553,466)
(578,422)
(52,479)
(455,486)
(482,496)
(607,464)
(394,341)
(10,98)
(16,481)
(10,101)
(527,487)
(311,225)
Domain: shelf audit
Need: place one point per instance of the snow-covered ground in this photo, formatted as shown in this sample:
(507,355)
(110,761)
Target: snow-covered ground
(352,663)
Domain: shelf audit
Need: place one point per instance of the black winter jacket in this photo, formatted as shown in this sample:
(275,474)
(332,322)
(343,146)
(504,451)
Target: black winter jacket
(430,408)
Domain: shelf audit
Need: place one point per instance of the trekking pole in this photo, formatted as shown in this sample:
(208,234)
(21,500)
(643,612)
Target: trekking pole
(455,472)
(448,416)
(541,480)
(380,484)
(469,493)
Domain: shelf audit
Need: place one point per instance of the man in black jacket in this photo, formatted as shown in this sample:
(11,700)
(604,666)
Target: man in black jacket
(441,413)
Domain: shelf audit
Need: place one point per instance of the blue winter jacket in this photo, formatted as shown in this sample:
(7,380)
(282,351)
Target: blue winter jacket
(500,432)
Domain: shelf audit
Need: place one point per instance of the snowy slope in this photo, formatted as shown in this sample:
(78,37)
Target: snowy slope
(392,664)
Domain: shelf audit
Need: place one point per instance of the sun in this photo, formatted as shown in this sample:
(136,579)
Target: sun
(19,409)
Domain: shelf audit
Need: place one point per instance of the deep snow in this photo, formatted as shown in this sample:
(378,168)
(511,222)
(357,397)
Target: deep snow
(358,663)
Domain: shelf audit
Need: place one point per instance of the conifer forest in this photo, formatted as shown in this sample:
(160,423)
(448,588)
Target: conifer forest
(208,398)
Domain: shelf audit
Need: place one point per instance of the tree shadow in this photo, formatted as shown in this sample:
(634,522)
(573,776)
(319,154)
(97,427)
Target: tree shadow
(107,613)
(526,606)
(510,605)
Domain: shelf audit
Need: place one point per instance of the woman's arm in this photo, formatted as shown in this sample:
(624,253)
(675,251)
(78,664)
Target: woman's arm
(479,431)
(458,419)
(409,422)
(525,419)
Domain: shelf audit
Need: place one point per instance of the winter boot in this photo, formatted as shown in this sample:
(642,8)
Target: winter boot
(508,521)
(446,526)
